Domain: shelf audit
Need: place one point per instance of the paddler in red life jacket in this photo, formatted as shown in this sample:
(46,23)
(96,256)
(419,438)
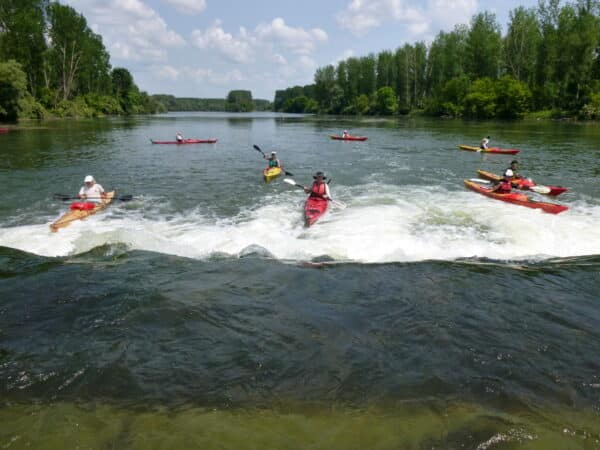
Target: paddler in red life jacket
(91,191)
(319,188)
(273,161)
(505,185)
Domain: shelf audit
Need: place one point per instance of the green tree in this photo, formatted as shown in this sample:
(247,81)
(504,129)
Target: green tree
(484,45)
(521,43)
(385,101)
(13,87)
(480,102)
(239,101)
(512,98)
(22,27)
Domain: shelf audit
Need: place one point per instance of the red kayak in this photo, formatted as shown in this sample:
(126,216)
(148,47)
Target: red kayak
(4,130)
(525,184)
(187,141)
(516,198)
(349,138)
(314,208)
(501,151)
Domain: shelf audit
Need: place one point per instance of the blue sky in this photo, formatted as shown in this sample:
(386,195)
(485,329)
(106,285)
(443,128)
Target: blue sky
(204,48)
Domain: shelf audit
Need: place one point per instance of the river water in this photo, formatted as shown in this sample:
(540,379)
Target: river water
(202,314)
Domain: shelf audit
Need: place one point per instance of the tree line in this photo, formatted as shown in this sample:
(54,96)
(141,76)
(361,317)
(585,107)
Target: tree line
(548,60)
(230,103)
(52,63)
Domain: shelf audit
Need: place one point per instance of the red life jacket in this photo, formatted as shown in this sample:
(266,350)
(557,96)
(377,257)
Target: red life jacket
(318,190)
(505,187)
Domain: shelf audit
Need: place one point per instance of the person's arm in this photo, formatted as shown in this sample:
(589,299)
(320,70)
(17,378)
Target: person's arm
(279,164)
(327,193)
(81,193)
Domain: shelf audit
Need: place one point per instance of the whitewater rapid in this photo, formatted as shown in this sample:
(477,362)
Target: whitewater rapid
(381,224)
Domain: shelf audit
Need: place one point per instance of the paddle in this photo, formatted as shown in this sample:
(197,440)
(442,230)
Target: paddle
(64,197)
(257,148)
(339,204)
(538,189)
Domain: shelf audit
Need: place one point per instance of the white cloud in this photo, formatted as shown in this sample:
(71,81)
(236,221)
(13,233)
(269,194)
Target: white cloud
(268,40)
(130,29)
(360,16)
(236,49)
(297,40)
(188,6)
(203,75)
(166,72)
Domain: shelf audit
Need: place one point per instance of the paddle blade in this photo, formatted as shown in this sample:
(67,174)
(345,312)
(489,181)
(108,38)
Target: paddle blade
(61,197)
(289,181)
(540,189)
(480,181)
(289,174)
(125,198)
(338,204)
(257,148)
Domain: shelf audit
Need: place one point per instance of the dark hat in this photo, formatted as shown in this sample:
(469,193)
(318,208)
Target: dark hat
(514,161)
(319,173)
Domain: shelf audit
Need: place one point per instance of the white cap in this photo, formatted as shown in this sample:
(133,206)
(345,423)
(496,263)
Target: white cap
(273,153)
(88,179)
(508,173)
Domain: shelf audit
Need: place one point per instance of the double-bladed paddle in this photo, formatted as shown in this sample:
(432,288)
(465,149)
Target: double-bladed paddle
(538,189)
(64,197)
(257,148)
(337,203)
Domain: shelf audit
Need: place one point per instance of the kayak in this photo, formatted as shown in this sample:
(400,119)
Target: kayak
(270,173)
(4,130)
(188,141)
(501,151)
(314,208)
(79,211)
(525,184)
(517,198)
(349,138)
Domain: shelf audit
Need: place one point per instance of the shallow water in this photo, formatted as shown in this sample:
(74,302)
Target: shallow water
(202,314)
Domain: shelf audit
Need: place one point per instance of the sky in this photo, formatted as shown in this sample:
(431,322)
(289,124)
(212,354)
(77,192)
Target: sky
(205,48)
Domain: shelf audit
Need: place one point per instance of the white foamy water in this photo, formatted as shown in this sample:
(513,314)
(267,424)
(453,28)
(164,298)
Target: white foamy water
(382,223)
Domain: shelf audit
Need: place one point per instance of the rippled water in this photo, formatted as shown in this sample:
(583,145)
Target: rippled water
(202,314)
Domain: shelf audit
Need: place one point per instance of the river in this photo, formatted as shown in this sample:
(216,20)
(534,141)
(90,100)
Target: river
(203,314)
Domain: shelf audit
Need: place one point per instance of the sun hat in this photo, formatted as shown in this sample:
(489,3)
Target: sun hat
(319,174)
(88,179)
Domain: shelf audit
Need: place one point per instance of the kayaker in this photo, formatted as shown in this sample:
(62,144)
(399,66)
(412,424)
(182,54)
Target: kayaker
(345,134)
(505,185)
(179,137)
(319,188)
(513,168)
(273,161)
(484,143)
(91,191)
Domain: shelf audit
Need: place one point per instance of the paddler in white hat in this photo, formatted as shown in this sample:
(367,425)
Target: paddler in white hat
(91,191)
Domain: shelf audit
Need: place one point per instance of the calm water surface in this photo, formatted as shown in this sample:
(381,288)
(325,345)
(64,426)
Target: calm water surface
(202,314)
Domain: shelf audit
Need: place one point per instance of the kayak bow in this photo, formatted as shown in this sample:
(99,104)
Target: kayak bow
(314,208)
(80,212)
(270,173)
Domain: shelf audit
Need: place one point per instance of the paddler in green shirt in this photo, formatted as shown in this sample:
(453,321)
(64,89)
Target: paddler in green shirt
(273,161)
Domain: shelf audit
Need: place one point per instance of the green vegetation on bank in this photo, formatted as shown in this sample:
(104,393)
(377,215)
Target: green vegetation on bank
(172,103)
(548,60)
(53,64)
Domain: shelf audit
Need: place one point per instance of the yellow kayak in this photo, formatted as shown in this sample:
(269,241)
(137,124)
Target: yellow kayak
(80,214)
(270,173)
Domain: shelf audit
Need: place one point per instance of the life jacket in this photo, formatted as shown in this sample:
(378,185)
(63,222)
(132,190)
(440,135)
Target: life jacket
(318,189)
(83,206)
(505,187)
(273,163)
